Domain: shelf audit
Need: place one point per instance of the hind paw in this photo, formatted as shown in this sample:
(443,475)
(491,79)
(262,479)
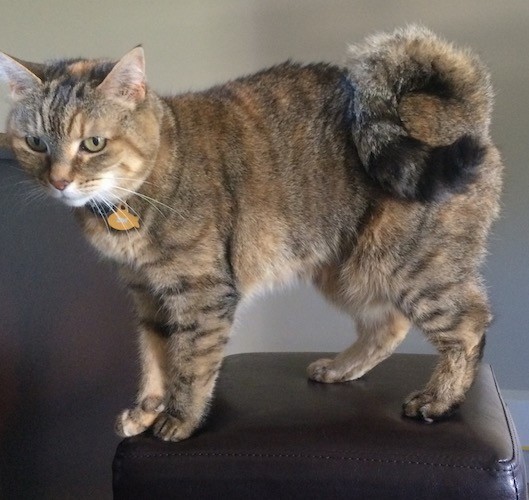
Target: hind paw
(323,371)
(423,405)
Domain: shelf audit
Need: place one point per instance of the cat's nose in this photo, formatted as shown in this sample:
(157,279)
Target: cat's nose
(60,175)
(59,184)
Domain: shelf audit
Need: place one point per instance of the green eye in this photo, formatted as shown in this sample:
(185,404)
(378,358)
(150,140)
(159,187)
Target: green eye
(36,144)
(93,144)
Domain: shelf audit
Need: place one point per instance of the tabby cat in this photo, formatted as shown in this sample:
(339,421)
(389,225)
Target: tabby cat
(377,181)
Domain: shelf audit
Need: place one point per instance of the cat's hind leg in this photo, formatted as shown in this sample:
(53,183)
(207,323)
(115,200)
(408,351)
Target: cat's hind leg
(380,329)
(454,318)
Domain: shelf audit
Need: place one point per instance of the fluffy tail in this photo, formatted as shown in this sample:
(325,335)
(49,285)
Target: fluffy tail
(422,112)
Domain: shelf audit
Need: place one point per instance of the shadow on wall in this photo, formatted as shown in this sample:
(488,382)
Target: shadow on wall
(67,358)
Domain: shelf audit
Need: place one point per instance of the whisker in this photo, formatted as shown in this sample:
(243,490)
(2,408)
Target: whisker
(146,198)
(28,187)
(128,179)
(9,164)
(152,201)
(9,182)
(121,200)
(102,214)
(34,195)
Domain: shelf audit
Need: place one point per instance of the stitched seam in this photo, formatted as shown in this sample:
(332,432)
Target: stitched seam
(510,434)
(318,457)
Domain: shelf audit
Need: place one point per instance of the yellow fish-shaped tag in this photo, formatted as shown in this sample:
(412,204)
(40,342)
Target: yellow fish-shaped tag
(123,220)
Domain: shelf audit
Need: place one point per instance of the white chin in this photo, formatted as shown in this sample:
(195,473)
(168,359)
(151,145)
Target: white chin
(71,201)
(76,202)
(73,197)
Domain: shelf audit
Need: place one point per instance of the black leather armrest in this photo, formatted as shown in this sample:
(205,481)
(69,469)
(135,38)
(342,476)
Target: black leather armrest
(274,434)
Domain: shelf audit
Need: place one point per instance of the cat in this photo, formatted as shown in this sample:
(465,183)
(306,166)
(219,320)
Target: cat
(376,180)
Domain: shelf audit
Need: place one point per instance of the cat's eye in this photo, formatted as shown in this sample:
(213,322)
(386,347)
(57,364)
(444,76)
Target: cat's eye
(93,144)
(36,144)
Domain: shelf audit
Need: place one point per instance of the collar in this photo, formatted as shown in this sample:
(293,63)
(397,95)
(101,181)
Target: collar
(101,209)
(116,217)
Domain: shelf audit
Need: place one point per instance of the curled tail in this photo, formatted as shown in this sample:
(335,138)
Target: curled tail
(422,112)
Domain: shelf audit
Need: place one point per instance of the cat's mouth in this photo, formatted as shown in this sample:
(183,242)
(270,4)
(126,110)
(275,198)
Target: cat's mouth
(69,196)
(74,197)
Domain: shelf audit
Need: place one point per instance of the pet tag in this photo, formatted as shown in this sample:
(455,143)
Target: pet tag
(122,219)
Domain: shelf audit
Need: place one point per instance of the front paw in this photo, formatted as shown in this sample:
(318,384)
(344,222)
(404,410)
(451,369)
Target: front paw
(170,428)
(424,405)
(134,421)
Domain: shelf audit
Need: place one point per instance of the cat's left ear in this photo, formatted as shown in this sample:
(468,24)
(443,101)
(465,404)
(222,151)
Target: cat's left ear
(19,75)
(126,81)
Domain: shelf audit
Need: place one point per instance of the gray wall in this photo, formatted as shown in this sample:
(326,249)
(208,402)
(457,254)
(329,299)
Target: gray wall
(68,349)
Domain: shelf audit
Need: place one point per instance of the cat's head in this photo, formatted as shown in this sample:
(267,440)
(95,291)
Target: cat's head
(87,130)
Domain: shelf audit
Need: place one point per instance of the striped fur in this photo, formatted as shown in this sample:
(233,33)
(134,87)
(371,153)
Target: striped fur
(377,181)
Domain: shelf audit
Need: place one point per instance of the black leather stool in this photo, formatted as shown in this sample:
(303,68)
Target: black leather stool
(273,434)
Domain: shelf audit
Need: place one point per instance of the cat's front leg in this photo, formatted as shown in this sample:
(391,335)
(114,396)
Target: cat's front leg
(183,330)
(151,398)
(200,311)
(194,356)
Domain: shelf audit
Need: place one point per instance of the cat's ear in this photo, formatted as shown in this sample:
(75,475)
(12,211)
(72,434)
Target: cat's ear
(126,80)
(20,76)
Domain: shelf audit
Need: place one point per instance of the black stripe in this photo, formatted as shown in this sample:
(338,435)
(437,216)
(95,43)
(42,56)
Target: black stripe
(181,286)
(417,267)
(453,325)
(160,328)
(177,413)
(224,306)
(228,256)
(167,330)
(209,375)
(433,314)
(206,333)
(219,346)
(450,168)
(176,328)
(185,379)
(449,344)
(56,109)
(406,299)
(481,346)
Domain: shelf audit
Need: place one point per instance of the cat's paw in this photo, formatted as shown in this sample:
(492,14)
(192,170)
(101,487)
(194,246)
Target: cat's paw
(131,422)
(134,421)
(171,428)
(424,405)
(322,371)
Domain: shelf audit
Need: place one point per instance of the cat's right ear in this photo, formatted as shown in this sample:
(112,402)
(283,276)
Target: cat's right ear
(126,81)
(18,75)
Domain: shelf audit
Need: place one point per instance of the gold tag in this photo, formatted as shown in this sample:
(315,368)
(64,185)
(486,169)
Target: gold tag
(122,219)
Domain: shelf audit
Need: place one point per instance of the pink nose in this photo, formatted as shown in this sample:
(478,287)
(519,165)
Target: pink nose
(60,184)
